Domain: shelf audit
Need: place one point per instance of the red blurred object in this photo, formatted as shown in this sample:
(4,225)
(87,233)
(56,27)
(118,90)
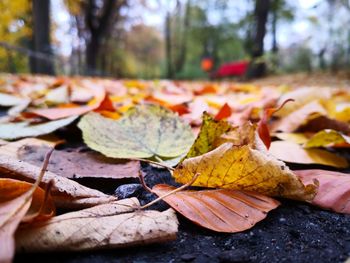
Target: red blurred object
(236,68)
(207,64)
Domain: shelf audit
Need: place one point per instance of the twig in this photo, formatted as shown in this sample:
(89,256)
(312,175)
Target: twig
(155,163)
(143,183)
(171,192)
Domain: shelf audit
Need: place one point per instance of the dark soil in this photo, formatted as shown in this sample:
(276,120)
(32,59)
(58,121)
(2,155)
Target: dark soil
(294,232)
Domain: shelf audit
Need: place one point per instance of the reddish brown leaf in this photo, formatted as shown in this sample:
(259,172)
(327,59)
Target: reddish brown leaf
(224,112)
(323,122)
(74,164)
(263,129)
(333,191)
(220,210)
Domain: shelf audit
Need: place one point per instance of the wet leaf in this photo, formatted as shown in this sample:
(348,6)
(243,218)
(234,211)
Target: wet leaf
(105,226)
(220,210)
(146,131)
(16,130)
(334,189)
(65,193)
(294,153)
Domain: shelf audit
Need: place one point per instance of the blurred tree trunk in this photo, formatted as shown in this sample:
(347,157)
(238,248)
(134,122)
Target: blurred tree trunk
(41,37)
(169,73)
(258,67)
(183,45)
(98,21)
(274,10)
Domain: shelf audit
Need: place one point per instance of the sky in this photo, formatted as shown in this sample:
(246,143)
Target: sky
(288,33)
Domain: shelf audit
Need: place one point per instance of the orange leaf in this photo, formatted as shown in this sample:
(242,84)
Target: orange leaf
(181,109)
(63,112)
(333,191)
(20,201)
(220,210)
(263,130)
(224,112)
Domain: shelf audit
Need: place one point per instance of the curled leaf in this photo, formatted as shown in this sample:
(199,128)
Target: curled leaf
(220,210)
(243,168)
(334,189)
(65,193)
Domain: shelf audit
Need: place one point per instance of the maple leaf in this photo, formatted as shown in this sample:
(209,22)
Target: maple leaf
(220,210)
(113,225)
(145,131)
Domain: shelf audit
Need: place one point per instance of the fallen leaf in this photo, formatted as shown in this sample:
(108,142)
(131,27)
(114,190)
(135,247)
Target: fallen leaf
(16,130)
(224,112)
(19,200)
(323,122)
(145,131)
(111,225)
(65,192)
(328,138)
(75,164)
(299,138)
(333,191)
(302,97)
(12,148)
(294,153)
(263,130)
(243,168)
(210,130)
(63,112)
(299,117)
(220,210)
(8,100)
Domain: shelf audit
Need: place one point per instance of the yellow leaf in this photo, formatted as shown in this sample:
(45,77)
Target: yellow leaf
(243,168)
(294,153)
(328,138)
(299,138)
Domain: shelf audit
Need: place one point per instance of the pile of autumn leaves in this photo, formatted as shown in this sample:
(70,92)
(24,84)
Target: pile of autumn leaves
(235,162)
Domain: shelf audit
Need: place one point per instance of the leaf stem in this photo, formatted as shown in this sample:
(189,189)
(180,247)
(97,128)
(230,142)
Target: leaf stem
(169,193)
(155,163)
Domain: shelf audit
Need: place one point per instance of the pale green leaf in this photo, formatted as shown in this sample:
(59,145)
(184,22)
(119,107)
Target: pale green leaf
(145,131)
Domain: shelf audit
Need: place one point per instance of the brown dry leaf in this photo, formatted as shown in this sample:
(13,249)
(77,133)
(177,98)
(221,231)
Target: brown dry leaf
(20,201)
(294,153)
(299,117)
(65,193)
(74,164)
(220,210)
(334,189)
(11,148)
(323,122)
(112,225)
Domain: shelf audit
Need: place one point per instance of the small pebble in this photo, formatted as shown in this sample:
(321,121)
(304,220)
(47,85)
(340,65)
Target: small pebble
(188,257)
(128,190)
